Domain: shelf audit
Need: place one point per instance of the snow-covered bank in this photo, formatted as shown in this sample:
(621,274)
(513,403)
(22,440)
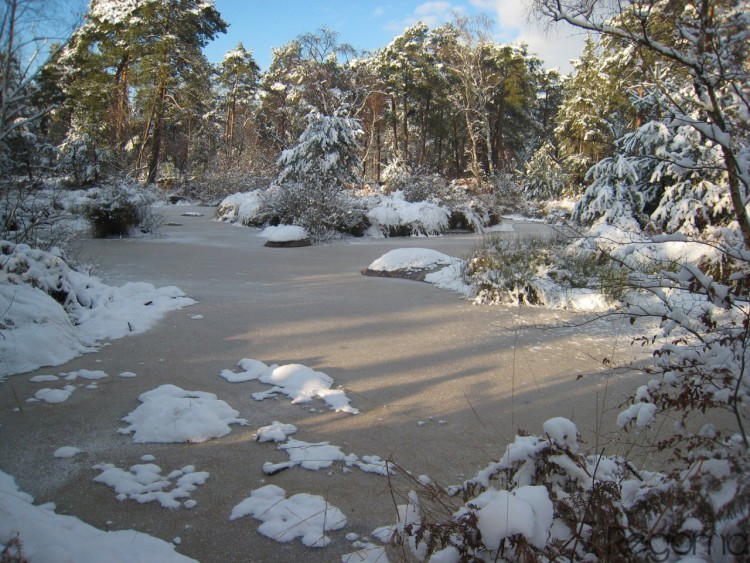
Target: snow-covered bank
(37,533)
(50,313)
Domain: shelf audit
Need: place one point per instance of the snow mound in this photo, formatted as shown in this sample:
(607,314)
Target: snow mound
(275,432)
(66,451)
(47,536)
(50,313)
(284,233)
(54,395)
(300,383)
(145,483)
(303,516)
(171,414)
(251,369)
(410,259)
(562,432)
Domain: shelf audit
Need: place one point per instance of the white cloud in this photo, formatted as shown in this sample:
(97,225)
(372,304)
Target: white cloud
(556,46)
(379,11)
(433,14)
(433,8)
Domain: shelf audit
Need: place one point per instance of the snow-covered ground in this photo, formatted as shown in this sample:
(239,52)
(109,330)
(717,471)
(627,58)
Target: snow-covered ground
(357,379)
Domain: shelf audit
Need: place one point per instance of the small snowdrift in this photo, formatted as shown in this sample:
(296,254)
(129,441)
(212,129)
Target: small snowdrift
(171,414)
(300,383)
(50,313)
(286,236)
(39,534)
(302,516)
(145,482)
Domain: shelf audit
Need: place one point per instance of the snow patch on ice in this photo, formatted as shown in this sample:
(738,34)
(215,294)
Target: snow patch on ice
(171,414)
(145,483)
(322,455)
(303,516)
(55,395)
(300,383)
(275,432)
(66,451)
(284,233)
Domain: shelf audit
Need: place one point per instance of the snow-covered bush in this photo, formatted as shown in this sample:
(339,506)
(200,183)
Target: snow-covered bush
(119,208)
(79,159)
(394,216)
(34,213)
(245,208)
(509,195)
(544,177)
(314,175)
(417,186)
(547,272)
(613,196)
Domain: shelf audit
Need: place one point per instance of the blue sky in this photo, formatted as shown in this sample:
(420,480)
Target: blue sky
(370,24)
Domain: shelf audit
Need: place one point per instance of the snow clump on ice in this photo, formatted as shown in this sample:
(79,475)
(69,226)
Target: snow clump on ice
(302,516)
(410,259)
(145,483)
(300,383)
(171,414)
(284,233)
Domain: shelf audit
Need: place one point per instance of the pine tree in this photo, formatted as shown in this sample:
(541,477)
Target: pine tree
(314,174)
(238,76)
(147,52)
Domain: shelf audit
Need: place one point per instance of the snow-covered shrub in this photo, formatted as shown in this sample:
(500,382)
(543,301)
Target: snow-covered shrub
(396,174)
(613,196)
(322,212)
(544,177)
(510,197)
(314,175)
(245,208)
(119,208)
(503,270)
(395,216)
(548,272)
(543,501)
(33,213)
(418,185)
(79,159)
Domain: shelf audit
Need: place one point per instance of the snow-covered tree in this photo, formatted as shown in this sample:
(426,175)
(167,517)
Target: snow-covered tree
(147,53)
(238,76)
(314,174)
(706,41)
(543,176)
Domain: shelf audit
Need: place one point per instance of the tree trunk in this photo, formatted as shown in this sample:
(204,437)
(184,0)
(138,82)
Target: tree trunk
(406,129)
(153,163)
(394,122)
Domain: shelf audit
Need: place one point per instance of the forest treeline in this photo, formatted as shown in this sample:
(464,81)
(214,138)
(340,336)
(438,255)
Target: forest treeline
(132,91)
